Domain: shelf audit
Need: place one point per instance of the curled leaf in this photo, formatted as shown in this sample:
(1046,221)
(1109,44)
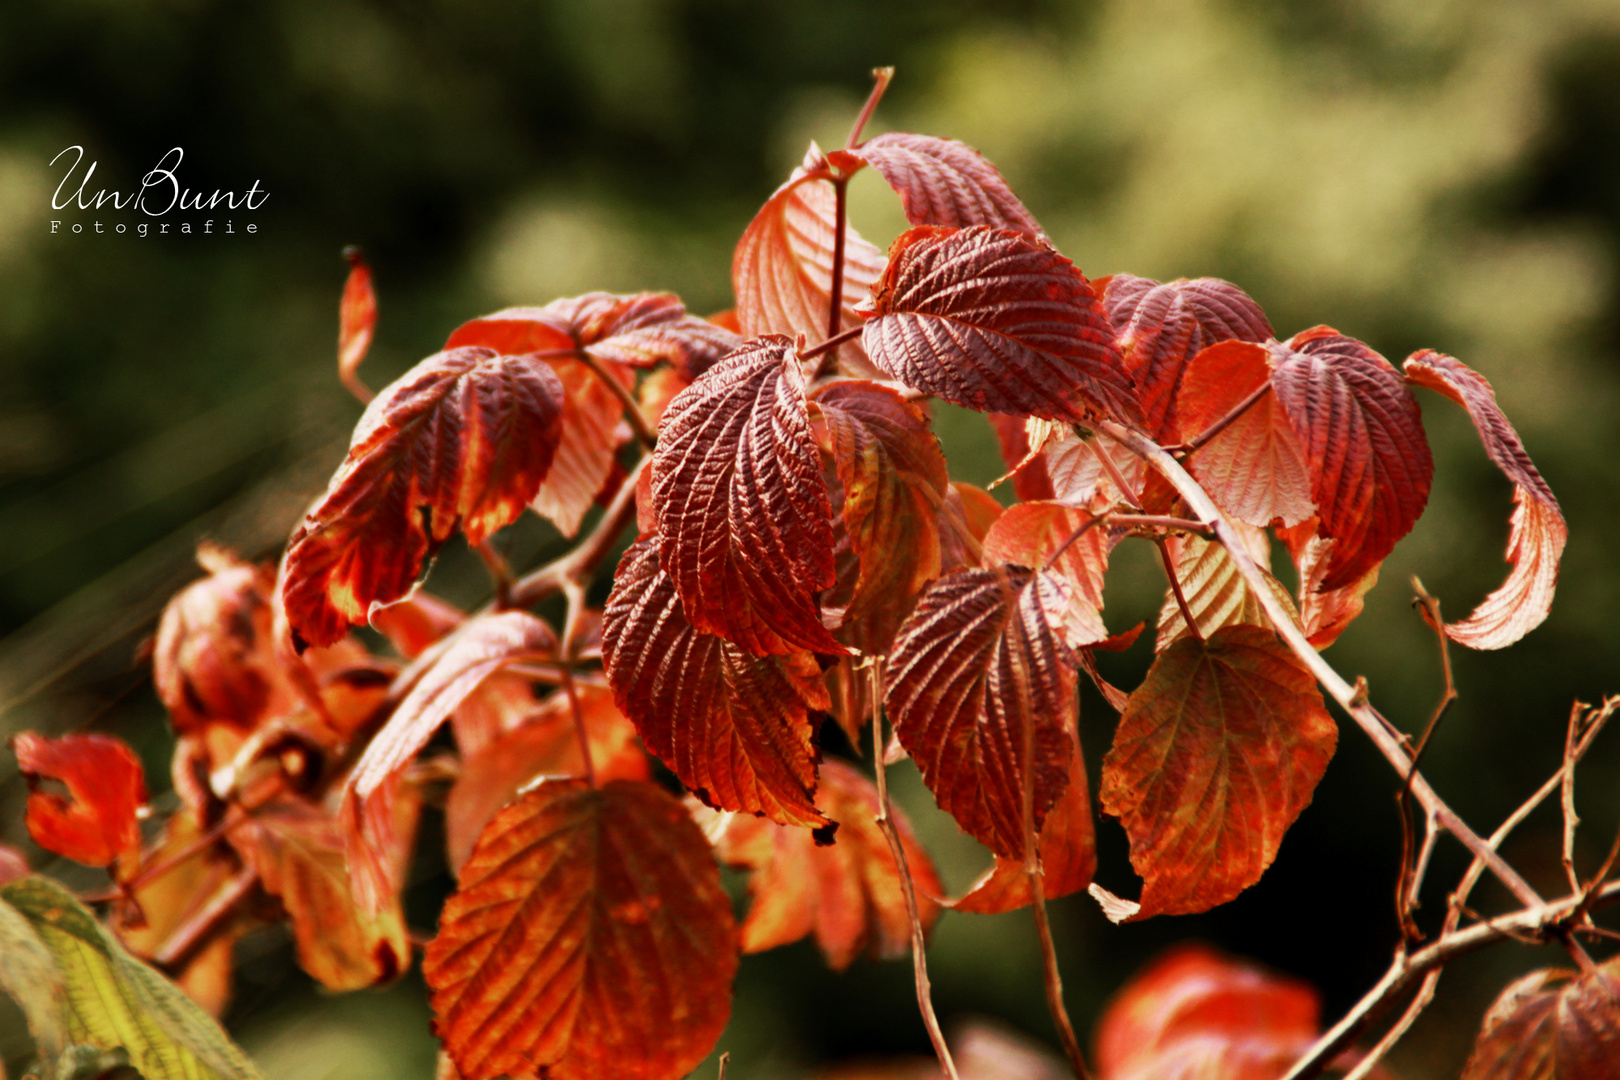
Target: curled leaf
(357,317)
(945,182)
(588,936)
(1538,531)
(96,822)
(462,439)
(1551,1025)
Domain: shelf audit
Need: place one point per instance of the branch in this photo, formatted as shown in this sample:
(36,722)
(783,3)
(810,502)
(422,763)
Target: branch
(205,923)
(580,563)
(1224,422)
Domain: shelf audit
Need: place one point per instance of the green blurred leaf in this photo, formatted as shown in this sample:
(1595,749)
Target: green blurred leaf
(114,1000)
(29,975)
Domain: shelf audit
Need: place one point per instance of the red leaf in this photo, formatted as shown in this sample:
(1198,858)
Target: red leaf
(998,321)
(96,822)
(1363,437)
(985,658)
(1536,542)
(1029,478)
(357,316)
(894,479)
(1160,328)
(782,268)
(1218,752)
(588,937)
(1028,534)
(1324,615)
(733,727)
(1074,466)
(1255,468)
(546,745)
(465,437)
(847,893)
(1195,1013)
(485,645)
(744,521)
(1552,1025)
(945,182)
(965,519)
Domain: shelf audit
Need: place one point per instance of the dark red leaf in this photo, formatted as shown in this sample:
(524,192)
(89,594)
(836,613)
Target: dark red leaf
(945,182)
(96,822)
(735,728)
(847,893)
(357,316)
(1552,1025)
(1161,327)
(985,659)
(588,937)
(1536,542)
(464,438)
(1363,437)
(998,321)
(1217,753)
(744,521)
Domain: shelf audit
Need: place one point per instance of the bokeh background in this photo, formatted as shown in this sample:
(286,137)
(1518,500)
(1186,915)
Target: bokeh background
(1440,173)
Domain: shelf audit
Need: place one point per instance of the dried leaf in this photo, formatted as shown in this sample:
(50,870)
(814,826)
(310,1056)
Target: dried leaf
(945,182)
(1161,327)
(588,936)
(1217,753)
(464,438)
(96,823)
(848,892)
(546,745)
(985,659)
(734,728)
(485,645)
(744,520)
(998,321)
(1552,1025)
(1536,540)
(357,316)
(1216,593)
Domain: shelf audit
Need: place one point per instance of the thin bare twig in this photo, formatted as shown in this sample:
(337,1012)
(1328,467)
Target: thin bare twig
(1221,425)
(580,563)
(725,1060)
(1090,523)
(1571,819)
(1398,1030)
(1162,521)
(1175,587)
(1410,879)
(500,573)
(881,77)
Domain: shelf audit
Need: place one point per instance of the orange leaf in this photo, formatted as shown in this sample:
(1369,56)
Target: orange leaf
(1552,1025)
(1217,753)
(1536,541)
(417,622)
(1194,1013)
(96,822)
(984,662)
(464,438)
(744,520)
(1075,470)
(782,268)
(945,182)
(735,728)
(965,519)
(1160,328)
(847,892)
(998,321)
(485,645)
(546,745)
(1028,534)
(1324,614)
(1215,592)
(588,936)
(357,317)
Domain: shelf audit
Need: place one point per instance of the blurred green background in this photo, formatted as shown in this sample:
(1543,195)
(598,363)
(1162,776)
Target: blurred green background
(1440,173)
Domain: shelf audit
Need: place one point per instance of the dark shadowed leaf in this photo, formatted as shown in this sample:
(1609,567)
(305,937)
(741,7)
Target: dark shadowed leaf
(95,822)
(945,182)
(1536,542)
(735,728)
(588,937)
(1217,753)
(744,520)
(1552,1025)
(847,893)
(464,438)
(998,321)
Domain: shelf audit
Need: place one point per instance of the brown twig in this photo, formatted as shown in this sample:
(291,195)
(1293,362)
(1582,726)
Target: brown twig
(1224,422)
(725,1060)
(1162,521)
(881,77)
(835,298)
(580,563)
(1567,799)
(1175,587)
(919,957)
(1410,879)
(831,343)
(1090,523)
(500,573)
(571,625)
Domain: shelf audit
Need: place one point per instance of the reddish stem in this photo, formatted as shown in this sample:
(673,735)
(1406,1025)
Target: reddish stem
(835,301)
(881,77)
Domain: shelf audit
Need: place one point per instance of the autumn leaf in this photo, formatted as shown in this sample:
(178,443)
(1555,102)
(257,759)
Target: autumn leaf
(1029,534)
(1255,468)
(357,319)
(782,268)
(1194,1013)
(965,519)
(893,477)
(415,623)
(945,182)
(1216,593)
(1074,467)
(1551,1025)
(1217,753)
(847,893)
(1324,614)
(1538,532)
(744,520)
(983,666)
(588,936)
(733,727)
(96,822)
(998,321)
(483,646)
(464,438)
(1028,470)
(546,744)
(1364,444)
(1162,327)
